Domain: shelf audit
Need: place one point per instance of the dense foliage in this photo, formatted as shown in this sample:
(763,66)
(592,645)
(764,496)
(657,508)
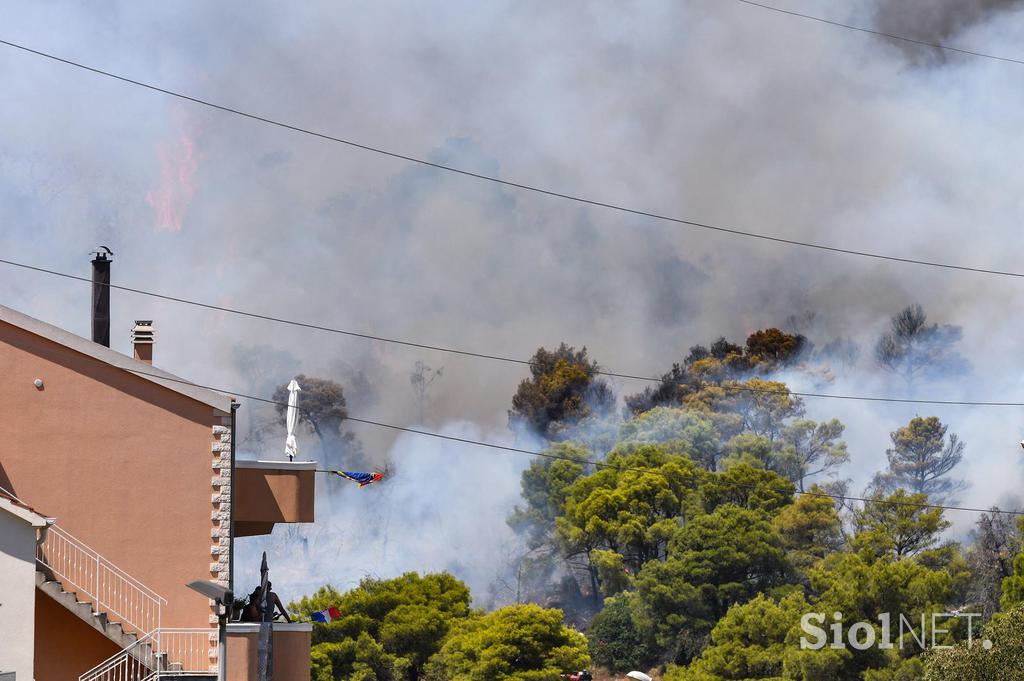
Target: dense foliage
(414,627)
(716,520)
(517,643)
(695,530)
(389,629)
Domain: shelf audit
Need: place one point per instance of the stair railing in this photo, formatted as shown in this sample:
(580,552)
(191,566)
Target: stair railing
(188,652)
(107,587)
(157,652)
(164,653)
(137,662)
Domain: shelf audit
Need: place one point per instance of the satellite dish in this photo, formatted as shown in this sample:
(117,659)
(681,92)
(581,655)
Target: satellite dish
(639,676)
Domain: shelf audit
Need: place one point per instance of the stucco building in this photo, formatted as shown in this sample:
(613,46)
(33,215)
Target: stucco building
(135,470)
(20,529)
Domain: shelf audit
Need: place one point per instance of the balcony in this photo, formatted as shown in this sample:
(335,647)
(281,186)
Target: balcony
(291,650)
(269,492)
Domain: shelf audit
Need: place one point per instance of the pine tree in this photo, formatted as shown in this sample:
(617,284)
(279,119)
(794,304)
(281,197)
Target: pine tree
(921,459)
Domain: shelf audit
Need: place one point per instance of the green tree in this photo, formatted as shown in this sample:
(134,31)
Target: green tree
(1003,661)
(756,405)
(810,529)
(921,459)
(808,449)
(563,389)
(1013,585)
(746,486)
(861,591)
(898,526)
(749,643)
(614,639)
(545,485)
(388,629)
(678,430)
(516,643)
(714,561)
(631,505)
(748,448)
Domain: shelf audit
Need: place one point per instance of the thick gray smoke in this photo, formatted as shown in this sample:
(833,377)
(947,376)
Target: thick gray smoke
(937,20)
(713,111)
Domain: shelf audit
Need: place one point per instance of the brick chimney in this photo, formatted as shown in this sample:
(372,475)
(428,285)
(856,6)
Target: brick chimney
(142,340)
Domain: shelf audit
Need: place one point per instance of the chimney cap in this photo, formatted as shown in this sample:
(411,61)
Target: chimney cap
(142,332)
(103,253)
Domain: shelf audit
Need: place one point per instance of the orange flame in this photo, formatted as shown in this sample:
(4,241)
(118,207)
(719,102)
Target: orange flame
(179,161)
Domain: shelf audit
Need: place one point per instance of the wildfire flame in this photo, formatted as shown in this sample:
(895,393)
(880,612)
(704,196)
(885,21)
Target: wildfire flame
(179,161)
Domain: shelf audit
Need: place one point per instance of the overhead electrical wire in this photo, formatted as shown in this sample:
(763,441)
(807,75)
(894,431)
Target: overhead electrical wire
(508,183)
(883,34)
(499,358)
(559,457)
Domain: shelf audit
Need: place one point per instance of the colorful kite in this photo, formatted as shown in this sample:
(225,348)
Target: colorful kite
(326,615)
(363,479)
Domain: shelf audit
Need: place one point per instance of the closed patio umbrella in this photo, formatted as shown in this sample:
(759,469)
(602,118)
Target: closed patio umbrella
(291,447)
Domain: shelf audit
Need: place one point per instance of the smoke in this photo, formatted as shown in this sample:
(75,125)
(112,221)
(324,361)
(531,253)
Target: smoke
(440,507)
(937,20)
(716,112)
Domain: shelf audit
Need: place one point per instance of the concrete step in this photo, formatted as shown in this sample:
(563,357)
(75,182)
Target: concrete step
(85,612)
(100,621)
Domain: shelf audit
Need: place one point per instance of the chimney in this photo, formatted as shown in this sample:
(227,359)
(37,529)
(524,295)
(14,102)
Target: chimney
(101,296)
(142,340)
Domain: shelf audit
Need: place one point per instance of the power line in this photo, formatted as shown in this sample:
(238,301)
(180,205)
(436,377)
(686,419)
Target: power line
(508,183)
(561,457)
(500,358)
(883,34)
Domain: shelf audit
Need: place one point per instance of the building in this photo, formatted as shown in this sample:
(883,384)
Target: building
(135,469)
(20,528)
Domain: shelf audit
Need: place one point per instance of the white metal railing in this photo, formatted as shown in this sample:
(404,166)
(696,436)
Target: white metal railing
(163,653)
(187,651)
(158,652)
(134,663)
(106,586)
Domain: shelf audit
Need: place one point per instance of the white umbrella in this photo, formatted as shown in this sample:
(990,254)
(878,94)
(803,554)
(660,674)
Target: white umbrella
(291,447)
(639,676)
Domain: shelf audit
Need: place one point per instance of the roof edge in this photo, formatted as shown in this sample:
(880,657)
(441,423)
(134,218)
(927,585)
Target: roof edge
(29,515)
(115,359)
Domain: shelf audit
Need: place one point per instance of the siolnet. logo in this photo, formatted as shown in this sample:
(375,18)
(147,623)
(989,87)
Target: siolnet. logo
(864,635)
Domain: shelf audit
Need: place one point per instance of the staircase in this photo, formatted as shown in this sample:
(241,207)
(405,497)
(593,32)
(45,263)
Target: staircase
(83,610)
(123,610)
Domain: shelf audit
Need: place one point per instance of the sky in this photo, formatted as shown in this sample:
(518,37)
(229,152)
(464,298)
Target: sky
(712,111)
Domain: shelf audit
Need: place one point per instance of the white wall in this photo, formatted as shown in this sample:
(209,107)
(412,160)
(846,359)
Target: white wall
(17,595)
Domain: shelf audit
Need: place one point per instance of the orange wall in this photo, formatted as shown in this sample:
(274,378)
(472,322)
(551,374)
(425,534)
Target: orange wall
(270,495)
(65,645)
(291,654)
(123,464)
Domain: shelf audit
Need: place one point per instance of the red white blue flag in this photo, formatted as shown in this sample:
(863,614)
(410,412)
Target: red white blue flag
(326,615)
(363,479)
